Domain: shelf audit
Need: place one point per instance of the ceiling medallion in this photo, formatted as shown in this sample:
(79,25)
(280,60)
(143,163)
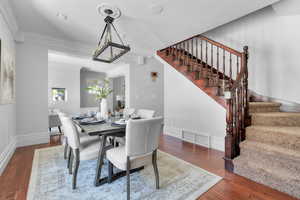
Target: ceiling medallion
(110,46)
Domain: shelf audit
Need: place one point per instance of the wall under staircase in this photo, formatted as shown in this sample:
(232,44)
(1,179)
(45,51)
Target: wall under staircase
(189,113)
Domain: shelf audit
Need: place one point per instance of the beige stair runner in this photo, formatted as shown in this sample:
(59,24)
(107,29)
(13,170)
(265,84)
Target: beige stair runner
(270,154)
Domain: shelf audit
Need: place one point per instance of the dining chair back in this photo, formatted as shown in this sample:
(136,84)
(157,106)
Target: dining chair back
(141,144)
(64,139)
(145,114)
(142,136)
(71,132)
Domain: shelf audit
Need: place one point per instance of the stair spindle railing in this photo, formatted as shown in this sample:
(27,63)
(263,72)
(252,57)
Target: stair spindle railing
(215,62)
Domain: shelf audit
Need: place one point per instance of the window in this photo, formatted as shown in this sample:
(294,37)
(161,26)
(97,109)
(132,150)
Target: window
(59,94)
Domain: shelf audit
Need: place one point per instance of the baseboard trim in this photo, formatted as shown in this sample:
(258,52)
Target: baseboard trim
(217,143)
(212,142)
(33,139)
(6,155)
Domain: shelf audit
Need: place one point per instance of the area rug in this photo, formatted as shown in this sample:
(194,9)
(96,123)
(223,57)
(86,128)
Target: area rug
(179,180)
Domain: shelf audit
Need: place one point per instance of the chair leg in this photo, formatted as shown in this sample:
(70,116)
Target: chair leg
(66,151)
(110,171)
(77,161)
(154,163)
(59,129)
(128,178)
(71,161)
(69,156)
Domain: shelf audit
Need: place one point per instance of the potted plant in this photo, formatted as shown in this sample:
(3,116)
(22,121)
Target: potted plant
(101,90)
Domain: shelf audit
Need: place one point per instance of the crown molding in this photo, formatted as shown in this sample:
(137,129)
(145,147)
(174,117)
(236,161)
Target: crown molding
(9,17)
(60,45)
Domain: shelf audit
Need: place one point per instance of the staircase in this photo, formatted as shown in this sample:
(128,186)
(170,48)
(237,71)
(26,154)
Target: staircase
(261,143)
(222,73)
(271,153)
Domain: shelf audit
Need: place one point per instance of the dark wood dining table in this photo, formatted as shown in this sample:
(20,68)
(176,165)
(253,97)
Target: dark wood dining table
(105,130)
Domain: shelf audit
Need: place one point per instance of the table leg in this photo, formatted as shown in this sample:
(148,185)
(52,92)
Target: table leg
(110,172)
(100,160)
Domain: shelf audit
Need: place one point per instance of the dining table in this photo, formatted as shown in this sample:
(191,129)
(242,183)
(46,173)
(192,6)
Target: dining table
(105,129)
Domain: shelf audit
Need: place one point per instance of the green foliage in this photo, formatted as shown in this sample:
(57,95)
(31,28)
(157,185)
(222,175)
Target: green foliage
(100,90)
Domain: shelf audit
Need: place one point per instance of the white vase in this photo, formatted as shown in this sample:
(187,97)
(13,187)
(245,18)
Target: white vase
(104,109)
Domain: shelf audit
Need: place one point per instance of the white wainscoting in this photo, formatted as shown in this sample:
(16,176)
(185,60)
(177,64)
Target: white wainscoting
(32,139)
(196,137)
(6,155)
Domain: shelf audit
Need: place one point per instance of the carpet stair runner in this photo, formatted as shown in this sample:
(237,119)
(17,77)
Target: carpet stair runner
(270,155)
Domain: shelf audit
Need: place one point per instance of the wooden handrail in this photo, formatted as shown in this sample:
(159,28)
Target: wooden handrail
(222,46)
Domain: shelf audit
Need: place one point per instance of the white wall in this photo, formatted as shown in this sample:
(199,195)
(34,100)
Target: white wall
(140,91)
(145,93)
(67,76)
(32,93)
(272,35)
(190,114)
(32,84)
(8,111)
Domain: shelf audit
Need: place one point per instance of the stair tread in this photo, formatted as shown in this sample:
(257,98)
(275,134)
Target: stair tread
(275,177)
(278,114)
(273,149)
(264,104)
(290,130)
(272,170)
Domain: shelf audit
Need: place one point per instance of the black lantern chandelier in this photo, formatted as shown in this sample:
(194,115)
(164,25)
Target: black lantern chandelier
(110,46)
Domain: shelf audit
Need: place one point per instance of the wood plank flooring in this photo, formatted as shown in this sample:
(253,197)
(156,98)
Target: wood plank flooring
(14,181)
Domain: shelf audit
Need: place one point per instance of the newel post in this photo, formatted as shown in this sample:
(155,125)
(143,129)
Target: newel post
(247,117)
(229,138)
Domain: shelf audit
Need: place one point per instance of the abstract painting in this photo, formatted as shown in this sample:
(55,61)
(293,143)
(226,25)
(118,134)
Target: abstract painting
(7,75)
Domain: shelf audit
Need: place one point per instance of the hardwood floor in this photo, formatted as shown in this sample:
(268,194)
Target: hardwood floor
(14,181)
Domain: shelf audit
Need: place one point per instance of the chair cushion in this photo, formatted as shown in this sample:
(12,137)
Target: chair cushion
(118,158)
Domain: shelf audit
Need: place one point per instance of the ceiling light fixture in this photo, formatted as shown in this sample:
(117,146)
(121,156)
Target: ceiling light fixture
(110,46)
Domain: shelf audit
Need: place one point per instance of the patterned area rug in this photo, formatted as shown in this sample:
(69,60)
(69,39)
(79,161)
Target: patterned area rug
(178,180)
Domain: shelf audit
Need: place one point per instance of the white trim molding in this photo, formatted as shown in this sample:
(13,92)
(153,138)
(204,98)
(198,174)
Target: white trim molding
(33,139)
(9,17)
(6,155)
(217,143)
(196,137)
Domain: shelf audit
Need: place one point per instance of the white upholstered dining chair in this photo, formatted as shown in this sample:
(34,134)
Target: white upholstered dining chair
(145,114)
(142,138)
(81,148)
(83,137)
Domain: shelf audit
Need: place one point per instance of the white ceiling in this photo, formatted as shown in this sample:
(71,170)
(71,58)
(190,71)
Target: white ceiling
(145,31)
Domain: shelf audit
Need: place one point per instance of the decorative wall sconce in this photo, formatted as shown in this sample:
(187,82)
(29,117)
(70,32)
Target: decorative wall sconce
(154,76)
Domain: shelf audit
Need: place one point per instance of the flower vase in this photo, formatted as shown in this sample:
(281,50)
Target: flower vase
(104,109)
